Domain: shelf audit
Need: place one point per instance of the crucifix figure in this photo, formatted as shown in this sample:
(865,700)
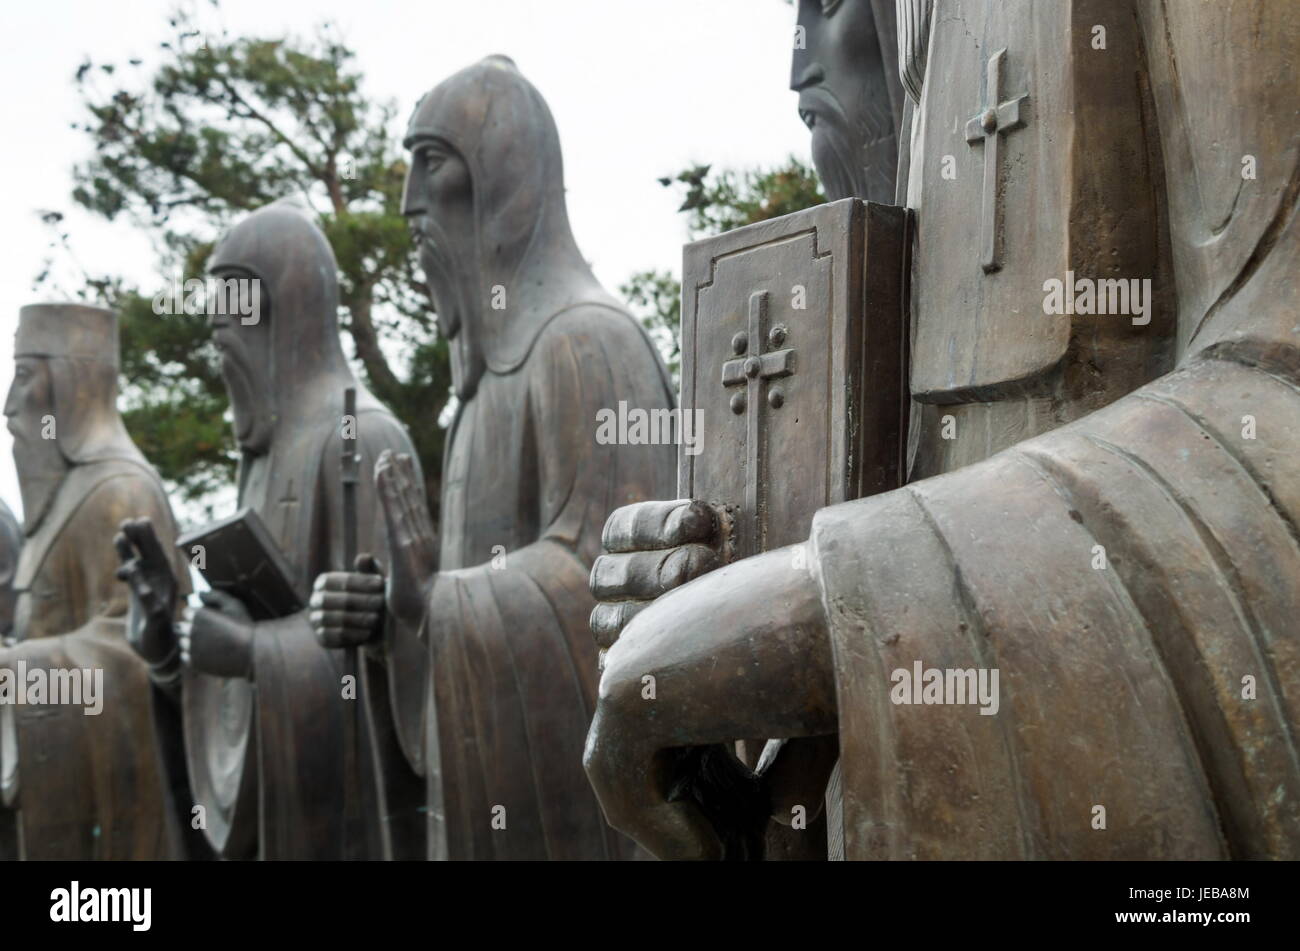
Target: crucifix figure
(997,118)
(752,371)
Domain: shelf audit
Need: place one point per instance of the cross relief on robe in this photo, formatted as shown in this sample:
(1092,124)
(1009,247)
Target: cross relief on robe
(289,504)
(997,118)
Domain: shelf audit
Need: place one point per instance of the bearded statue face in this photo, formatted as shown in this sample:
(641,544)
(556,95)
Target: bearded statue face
(33,422)
(247,367)
(438,202)
(837,74)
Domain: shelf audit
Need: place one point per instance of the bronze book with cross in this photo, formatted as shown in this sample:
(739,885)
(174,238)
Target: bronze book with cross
(238,555)
(794,360)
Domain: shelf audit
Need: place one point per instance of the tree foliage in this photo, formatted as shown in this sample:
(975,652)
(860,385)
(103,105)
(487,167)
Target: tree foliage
(218,127)
(715,203)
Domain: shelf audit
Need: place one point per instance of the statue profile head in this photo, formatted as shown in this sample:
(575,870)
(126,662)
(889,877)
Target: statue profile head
(845,70)
(277,357)
(485,199)
(62,405)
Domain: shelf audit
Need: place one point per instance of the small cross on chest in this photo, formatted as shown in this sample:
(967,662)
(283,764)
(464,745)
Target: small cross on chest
(996,119)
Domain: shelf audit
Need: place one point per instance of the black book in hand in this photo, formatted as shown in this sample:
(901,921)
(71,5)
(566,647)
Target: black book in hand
(239,557)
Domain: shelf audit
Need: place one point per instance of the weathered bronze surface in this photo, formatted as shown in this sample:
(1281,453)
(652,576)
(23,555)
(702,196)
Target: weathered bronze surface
(1101,507)
(804,317)
(77,786)
(845,70)
(11,543)
(793,354)
(492,667)
(277,749)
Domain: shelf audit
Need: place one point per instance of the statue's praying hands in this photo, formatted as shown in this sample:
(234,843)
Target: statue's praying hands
(151,611)
(350,608)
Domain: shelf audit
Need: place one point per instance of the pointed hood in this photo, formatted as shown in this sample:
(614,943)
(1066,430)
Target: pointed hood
(498,123)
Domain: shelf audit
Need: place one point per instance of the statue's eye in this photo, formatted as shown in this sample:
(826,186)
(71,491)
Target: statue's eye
(830,6)
(433,159)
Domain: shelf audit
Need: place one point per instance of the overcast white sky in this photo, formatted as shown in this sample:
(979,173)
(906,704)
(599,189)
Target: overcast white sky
(639,88)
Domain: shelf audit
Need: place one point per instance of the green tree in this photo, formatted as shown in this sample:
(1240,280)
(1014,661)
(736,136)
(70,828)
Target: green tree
(714,204)
(219,127)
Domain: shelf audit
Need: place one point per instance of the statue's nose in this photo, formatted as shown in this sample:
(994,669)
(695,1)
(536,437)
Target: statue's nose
(411,205)
(806,74)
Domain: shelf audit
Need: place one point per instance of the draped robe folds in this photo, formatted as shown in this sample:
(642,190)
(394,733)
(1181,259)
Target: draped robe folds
(498,728)
(287,766)
(1134,574)
(86,787)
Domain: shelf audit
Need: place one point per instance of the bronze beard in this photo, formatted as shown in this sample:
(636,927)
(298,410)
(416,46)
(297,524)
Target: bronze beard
(40,463)
(247,382)
(453,300)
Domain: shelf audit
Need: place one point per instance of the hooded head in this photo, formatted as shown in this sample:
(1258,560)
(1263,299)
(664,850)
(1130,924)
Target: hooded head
(485,198)
(62,406)
(279,359)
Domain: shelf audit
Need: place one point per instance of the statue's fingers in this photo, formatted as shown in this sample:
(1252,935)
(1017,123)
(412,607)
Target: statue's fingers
(348,601)
(359,619)
(346,584)
(125,550)
(412,494)
(365,564)
(406,467)
(648,526)
(384,473)
(140,531)
(128,570)
(390,499)
(628,780)
(608,619)
(644,575)
(328,636)
(343,636)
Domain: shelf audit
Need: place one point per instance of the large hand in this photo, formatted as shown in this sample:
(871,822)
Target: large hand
(148,574)
(218,639)
(412,545)
(347,607)
(746,653)
(651,548)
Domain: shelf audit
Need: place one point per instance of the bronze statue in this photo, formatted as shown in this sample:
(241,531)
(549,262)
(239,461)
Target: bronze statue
(278,751)
(1073,634)
(11,543)
(850,95)
(492,667)
(80,776)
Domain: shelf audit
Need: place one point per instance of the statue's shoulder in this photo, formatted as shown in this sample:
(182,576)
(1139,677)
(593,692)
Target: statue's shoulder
(115,478)
(591,329)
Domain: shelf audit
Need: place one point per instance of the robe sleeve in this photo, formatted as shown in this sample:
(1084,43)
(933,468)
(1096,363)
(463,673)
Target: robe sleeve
(1135,579)
(103,795)
(514,665)
(11,543)
(309,786)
